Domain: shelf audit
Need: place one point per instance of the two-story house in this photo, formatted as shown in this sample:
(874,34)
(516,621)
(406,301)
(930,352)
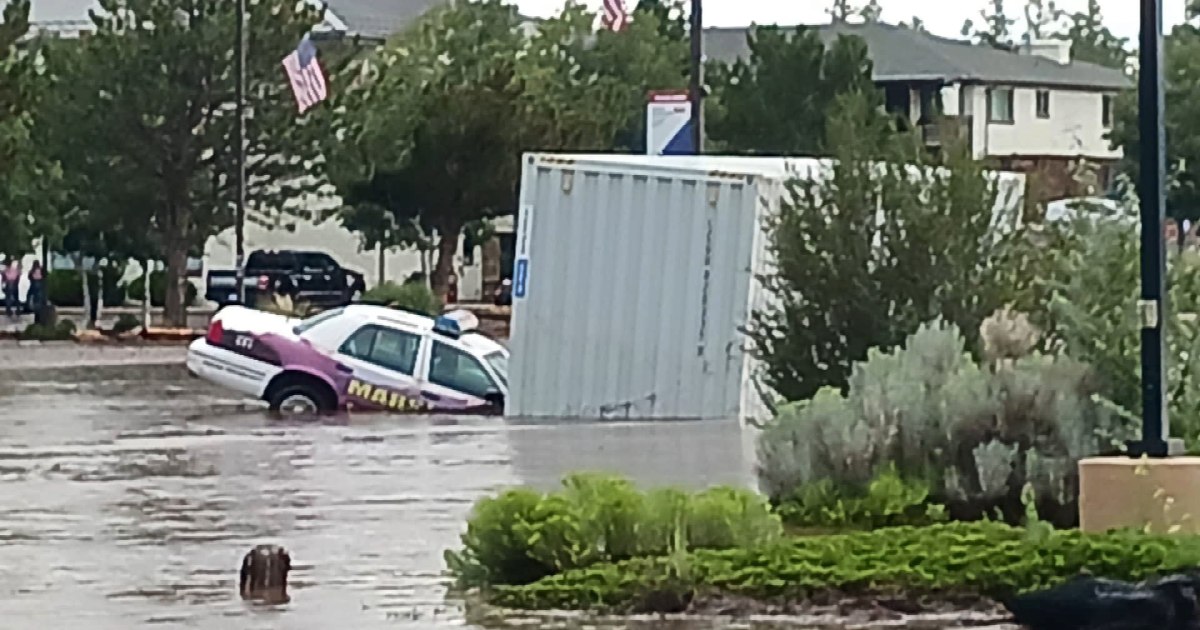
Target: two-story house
(1033,110)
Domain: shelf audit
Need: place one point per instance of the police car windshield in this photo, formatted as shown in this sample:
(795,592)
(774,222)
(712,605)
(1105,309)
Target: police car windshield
(499,362)
(316,320)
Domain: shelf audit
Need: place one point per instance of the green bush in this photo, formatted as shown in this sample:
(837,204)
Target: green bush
(64,330)
(125,323)
(412,296)
(888,501)
(522,536)
(982,559)
(158,289)
(63,287)
(974,434)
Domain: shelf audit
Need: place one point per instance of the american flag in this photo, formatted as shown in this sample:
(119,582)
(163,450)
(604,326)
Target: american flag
(615,16)
(306,76)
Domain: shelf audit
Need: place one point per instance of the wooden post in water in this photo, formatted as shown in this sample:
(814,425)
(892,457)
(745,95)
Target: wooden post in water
(264,574)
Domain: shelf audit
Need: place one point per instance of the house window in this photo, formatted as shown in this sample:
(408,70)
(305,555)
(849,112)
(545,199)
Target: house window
(1043,103)
(1000,105)
(1106,113)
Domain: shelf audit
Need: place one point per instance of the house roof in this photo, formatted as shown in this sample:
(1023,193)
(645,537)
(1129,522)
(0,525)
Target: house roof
(904,54)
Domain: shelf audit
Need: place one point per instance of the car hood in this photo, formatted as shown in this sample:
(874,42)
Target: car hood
(257,322)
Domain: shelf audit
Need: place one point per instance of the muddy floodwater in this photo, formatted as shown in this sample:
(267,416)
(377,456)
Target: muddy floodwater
(128,496)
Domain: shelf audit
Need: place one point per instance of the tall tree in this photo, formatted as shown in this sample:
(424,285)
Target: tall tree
(426,112)
(777,99)
(28,176)
(994,27)
(1091,39)
(159,78)
(1041,19)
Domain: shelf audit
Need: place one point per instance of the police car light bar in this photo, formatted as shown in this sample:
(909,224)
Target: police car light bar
(456,323)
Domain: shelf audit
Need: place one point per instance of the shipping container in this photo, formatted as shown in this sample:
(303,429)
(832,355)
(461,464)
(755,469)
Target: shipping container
(634,277)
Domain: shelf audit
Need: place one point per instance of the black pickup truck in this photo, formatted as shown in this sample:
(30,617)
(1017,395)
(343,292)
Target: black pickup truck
(312,277)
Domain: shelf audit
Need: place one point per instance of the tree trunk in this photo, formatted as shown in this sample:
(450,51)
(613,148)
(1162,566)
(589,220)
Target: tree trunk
(87,292)
(447,247)
(99,314)
(382,263)
(175,310)
(146,297)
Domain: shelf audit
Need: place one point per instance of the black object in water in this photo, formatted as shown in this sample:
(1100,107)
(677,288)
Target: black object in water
(1089,603)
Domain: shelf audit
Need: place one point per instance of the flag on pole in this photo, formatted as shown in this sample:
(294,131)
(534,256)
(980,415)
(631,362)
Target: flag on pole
(615,16)
(306,76)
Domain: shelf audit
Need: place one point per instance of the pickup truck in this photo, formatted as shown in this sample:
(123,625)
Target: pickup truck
(307,276)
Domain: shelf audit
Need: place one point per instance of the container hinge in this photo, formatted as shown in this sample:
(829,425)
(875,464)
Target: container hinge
(568,181)
(714,193)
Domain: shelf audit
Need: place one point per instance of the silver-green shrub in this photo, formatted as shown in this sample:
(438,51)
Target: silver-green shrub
(975,433)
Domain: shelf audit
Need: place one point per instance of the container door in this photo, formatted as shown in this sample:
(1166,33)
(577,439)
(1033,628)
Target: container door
(384,361)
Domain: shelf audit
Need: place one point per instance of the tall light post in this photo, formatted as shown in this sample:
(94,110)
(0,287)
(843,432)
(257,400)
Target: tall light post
(240,137)
(1156,441)
(696,88)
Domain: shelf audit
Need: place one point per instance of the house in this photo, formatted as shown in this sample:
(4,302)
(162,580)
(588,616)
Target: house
(1033,110)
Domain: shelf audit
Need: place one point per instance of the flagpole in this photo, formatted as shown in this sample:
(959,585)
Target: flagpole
(697,76)
(240,96)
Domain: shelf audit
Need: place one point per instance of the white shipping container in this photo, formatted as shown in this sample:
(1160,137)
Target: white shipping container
(634,277)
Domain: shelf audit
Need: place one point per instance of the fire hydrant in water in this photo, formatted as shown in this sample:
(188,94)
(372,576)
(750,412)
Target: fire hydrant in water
(264,574)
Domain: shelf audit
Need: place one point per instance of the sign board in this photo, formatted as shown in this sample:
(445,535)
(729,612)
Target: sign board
(669,124)
(520,286)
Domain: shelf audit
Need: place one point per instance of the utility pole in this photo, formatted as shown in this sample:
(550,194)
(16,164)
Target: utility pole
(1153,305)
(696,89)
(240,95)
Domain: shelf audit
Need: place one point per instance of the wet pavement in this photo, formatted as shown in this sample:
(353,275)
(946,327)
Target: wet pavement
(129,495)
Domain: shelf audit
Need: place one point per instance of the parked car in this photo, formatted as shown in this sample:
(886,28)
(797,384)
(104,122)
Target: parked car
(304,276)
(354,357)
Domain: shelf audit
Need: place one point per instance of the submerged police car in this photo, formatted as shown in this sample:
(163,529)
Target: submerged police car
(355,357)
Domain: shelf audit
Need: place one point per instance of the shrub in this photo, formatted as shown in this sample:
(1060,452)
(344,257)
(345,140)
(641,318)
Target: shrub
(412,296)
(976,435)
(64,330)
(125,323)
(522,536)
(887,501)
(158,289)
(964,559)
(63,287)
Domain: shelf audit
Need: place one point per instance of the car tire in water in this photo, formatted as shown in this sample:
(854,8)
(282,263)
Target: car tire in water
(299,400)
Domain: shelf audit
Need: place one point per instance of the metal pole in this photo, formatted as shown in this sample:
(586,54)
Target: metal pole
(696,89)
(1153,305)
(240,96)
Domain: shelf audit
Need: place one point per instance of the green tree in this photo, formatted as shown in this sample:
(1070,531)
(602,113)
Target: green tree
(1091,39)
(994,27)
(159,80)
(1182,60)
(870,247)
(441,115)
(775,102)
(1041,19)
(29,178)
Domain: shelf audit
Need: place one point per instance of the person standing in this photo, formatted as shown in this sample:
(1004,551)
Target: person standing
(12,282)
(35,297)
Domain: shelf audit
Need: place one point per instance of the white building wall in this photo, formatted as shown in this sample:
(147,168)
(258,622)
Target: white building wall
(1075,127)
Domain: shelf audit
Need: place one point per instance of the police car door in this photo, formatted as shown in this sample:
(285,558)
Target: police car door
(456,379)
(384,361)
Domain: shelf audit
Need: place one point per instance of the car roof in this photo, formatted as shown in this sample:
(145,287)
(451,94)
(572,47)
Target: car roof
(474,341)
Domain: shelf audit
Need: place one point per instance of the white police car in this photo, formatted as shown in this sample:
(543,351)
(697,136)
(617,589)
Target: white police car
(355,357)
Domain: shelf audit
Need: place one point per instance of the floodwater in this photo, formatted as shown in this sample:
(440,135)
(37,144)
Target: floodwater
(128,496)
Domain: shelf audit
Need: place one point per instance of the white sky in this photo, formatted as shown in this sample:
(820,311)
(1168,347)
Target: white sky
(942,17)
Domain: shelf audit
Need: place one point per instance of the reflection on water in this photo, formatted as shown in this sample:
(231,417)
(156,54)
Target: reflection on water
(129,497)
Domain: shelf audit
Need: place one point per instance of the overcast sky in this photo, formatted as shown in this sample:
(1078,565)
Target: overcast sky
(943,17)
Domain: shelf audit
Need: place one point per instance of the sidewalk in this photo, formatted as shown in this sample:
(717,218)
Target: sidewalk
(197,317)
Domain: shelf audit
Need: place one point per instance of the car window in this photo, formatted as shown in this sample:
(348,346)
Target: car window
(453,368)
(499,362)
(316,261)
(316,320)
(392,349)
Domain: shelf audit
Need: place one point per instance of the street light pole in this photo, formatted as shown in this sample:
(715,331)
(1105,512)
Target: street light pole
(1153,306)
(240,96)
(696,89)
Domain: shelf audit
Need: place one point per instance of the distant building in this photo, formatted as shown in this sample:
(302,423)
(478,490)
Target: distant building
(1033,110)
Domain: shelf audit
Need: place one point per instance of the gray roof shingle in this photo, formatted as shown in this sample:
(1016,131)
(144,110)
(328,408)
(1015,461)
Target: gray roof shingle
(379,19)
(903,54)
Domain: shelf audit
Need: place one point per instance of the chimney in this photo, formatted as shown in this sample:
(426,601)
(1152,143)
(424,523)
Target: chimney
(1056,50)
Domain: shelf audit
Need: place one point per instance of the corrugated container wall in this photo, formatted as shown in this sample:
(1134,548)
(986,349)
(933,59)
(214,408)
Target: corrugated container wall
(635,276)
(637,281)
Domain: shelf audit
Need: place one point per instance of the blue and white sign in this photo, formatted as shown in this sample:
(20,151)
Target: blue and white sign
(669,124)
(520,286)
